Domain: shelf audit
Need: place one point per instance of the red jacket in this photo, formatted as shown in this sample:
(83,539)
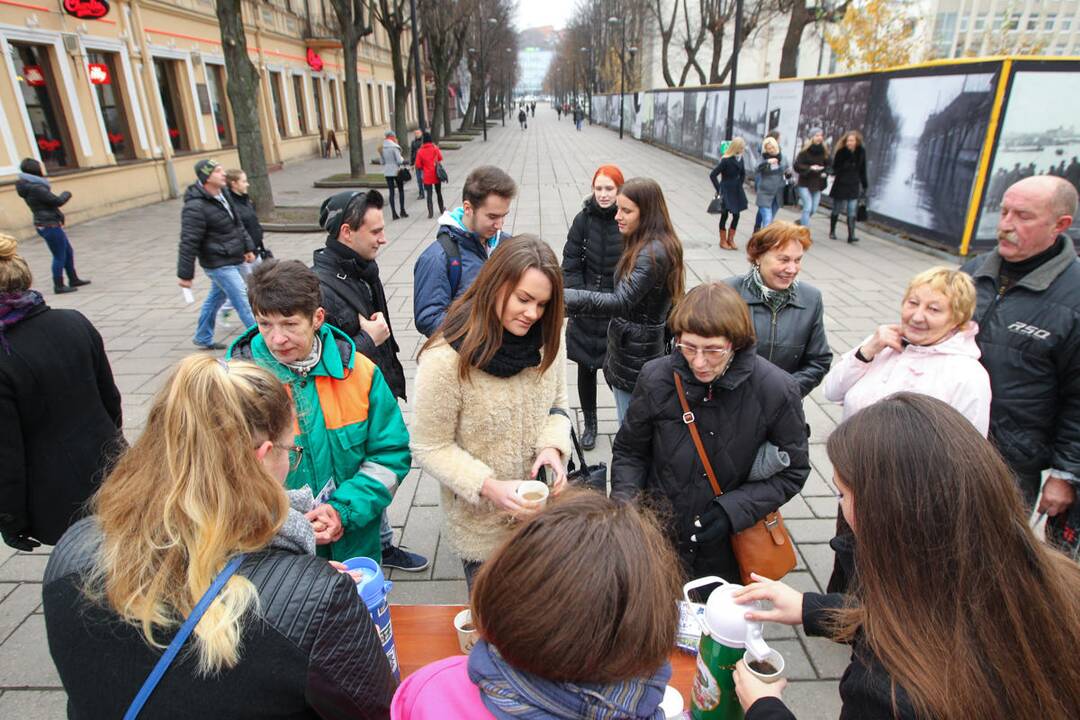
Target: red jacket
(425,160)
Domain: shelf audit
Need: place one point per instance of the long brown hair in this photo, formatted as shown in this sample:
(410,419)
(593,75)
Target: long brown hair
(654,224)
(475,317)
(605,615)
(967,610)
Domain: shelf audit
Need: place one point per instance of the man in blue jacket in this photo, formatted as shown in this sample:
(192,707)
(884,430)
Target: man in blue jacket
(465,238)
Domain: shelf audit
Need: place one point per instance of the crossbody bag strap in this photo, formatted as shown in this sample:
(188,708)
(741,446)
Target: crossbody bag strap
(688,418)
(181,636)
(573,436)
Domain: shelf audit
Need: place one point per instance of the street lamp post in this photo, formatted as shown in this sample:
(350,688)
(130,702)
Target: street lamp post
(416,60)
(622,71)
(736,46)
(507,90)
(587,79)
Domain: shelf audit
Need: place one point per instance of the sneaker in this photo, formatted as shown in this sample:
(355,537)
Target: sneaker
(399,558)
(211,346)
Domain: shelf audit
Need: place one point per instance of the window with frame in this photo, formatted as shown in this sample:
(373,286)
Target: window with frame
(1049,21)
(169,92)
(106,87)
(1032,23)
(980,22)
(999,22)
(275,97)
(39,92)
(963,27)
(1066,24)
(301,106)
(333,105)
(215,86)
(371,104)
(382,107)
(316,91)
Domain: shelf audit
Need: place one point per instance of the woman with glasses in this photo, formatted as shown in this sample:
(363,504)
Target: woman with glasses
(739,402)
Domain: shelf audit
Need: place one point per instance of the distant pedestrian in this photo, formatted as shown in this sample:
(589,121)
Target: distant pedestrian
(812,164)
(778,198)
(532,108)
(414,147)
(771,180)
(849,181)
(523,119)
(730,190)
(558,111)
(32,187)
(237,182)
(579,116)
(393,162)
(427,160)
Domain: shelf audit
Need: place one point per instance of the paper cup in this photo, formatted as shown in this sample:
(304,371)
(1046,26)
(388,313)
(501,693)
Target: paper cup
(774,658)
(466,631)
(530,488)
(672,704)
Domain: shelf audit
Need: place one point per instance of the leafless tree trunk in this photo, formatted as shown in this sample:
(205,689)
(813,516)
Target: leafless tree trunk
(350,15)
(666,31)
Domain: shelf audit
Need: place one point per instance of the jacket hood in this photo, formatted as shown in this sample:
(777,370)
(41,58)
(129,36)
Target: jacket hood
(961,343)
(390,143)
(241,349)
(25,181)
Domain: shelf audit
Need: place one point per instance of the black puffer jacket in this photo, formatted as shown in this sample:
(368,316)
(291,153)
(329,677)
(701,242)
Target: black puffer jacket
(1030,343)
(39,197)
(246,210)
(592,250)
(849,174)
(311,652)
(351,287)
(210,233)
(812,180)
(753,402)
(638,309)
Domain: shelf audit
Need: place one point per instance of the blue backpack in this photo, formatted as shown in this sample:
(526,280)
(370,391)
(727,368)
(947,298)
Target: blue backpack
(453,258)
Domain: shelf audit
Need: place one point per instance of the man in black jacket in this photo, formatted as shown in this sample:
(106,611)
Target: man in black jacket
(355,302)
(1028,313)
(212,230)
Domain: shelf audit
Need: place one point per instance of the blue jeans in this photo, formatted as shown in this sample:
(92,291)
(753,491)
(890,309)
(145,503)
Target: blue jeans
(766,215)
(809,201)
(63,256)
(386,533)
(622,402)
(225,282)
(848,206)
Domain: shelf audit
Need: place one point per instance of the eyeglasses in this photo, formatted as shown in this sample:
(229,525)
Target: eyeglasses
(712,354)
(295,454)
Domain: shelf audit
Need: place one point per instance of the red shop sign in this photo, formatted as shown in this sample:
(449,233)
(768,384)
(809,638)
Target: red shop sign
(314,61)
(87,9)
(33,75)
(99,74)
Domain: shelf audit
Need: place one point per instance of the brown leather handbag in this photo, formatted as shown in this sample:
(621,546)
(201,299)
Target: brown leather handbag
(765,547)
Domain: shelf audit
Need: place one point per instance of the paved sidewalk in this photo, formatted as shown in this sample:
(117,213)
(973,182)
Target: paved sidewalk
(135,303)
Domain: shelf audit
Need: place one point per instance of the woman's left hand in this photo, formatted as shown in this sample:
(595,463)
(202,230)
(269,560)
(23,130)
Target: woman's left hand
(550,456)
(750,689)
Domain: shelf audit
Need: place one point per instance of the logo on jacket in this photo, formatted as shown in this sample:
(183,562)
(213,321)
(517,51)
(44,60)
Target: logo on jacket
(1025,329)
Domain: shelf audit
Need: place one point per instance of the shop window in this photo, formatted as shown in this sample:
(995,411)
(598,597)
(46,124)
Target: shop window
(104,79)
(215,85)
(333,104)
(316,88)
(371,104)
(38,87)
(275,95)
(301,106)
(169,89)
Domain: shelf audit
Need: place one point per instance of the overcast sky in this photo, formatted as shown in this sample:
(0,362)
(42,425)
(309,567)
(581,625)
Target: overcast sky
(537,13)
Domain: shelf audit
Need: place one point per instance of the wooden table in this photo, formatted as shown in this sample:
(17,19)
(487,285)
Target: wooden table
(425,633)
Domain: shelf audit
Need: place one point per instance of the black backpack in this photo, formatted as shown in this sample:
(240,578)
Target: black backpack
(453,258)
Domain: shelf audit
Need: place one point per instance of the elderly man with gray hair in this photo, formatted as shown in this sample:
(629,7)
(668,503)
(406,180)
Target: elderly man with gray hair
(1028,311)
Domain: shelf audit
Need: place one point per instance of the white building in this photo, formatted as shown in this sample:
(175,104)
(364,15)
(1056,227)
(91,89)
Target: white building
(534,63)
(959,28)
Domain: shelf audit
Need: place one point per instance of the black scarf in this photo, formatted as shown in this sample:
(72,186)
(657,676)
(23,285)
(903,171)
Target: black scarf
(517,352)
(364,270)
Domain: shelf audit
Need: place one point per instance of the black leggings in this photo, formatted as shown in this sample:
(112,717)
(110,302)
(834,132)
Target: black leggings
(734,219)
(392,181)
(436,188)
(586,388)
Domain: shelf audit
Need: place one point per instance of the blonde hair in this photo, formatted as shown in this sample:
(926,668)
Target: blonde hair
(187,496)
(736,147)
(15,274)
(954,285)
(770,142)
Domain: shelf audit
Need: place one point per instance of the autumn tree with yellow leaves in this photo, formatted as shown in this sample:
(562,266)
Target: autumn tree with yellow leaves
(874,35)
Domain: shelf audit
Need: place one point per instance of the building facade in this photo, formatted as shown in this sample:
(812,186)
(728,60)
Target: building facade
(975,28)
(120,107)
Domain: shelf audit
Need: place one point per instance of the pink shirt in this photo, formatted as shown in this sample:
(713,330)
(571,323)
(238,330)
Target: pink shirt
(439,691)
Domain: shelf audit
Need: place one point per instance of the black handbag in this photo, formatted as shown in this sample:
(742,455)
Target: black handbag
(404,175)
(593,477)
(861,213)
(440,173)
(716,205)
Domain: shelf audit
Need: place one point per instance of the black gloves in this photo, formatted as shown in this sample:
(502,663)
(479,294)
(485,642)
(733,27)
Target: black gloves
(712,524)
(21,541)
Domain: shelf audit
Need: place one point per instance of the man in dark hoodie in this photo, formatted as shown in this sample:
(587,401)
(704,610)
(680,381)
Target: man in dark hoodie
(355,302)
(212,231)
(33,188)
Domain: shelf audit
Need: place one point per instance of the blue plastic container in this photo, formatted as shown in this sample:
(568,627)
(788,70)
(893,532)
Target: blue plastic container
(373,588)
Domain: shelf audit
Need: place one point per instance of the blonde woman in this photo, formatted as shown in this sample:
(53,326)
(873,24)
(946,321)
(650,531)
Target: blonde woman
(732,174)
(287,636)
(771,177)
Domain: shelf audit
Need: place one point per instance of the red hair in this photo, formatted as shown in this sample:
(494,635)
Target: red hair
(609,171)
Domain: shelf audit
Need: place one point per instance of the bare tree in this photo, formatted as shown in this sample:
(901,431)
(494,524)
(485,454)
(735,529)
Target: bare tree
(242,87)
(445,25)
(801,16)
(716,16)
(666,33)
(692,42)
(351,25)
(394,16)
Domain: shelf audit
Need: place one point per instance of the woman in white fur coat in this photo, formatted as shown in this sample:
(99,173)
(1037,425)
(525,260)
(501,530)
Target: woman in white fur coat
(486,387)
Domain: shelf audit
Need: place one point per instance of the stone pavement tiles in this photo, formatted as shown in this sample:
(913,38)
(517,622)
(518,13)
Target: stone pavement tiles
(136,304)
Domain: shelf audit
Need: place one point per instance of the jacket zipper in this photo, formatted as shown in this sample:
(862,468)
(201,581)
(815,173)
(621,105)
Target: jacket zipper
(985,319)
(772,335)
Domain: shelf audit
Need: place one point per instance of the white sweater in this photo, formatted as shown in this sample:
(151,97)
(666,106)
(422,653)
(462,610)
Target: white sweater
(465,432)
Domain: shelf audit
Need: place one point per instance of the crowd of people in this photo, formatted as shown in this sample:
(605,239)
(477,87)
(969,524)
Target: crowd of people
(259,473)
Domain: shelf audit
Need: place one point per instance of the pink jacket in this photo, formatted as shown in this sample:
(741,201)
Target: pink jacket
(949,371)
(439,691)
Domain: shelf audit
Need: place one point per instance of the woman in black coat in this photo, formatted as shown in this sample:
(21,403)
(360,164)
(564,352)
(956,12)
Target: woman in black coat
(740,402)
(35,190)
(730,189)
(812,165)
(593,247)
(59,410)
(238,188)
(849,181)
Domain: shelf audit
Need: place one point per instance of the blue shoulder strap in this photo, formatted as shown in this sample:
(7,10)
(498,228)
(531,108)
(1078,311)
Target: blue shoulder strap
(453,259)
(182,634)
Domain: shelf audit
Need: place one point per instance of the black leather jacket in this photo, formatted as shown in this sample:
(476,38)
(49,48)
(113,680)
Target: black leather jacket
(638,309)
(592,250)
(210,233)
(42,202)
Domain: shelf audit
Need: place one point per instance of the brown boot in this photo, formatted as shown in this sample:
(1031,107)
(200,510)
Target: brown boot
(731,239)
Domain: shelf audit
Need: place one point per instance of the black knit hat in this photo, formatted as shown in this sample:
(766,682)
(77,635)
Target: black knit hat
(334,209)
(203,168)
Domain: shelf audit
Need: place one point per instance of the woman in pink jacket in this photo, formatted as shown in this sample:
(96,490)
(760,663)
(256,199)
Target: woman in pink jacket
(564,634)
(932,351)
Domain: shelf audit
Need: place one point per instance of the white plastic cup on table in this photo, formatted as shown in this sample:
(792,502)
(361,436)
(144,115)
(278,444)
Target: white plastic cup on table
(672,704)
(466,631)
(533,491)
(774,658)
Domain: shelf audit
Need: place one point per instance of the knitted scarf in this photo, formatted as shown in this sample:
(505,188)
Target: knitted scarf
(517,352)
(775,299)
(509,693)
(14,306)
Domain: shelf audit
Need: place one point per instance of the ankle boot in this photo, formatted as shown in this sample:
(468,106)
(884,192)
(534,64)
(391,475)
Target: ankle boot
(588,434)
(851,230)
(723,238)
(77,281)
(832,226)
(59,289)
(731,239)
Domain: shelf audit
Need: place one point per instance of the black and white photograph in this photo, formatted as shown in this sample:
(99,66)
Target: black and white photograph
(785,101)
(673,135)
(923,139)
(833,106)
(693,122)
(715,114)
(660,117)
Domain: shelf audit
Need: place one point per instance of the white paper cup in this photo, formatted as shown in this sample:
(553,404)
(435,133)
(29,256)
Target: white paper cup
(529,488)
(774,658)
(672,704)
(466,631)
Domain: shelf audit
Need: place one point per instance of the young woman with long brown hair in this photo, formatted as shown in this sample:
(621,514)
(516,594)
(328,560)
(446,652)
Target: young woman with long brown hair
(957,610)
(491,408)
(649,281)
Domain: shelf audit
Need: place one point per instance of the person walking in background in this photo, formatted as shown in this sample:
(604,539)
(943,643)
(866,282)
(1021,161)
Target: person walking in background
(730,190)
(771,177)
(849,181)
(777,199)
(579,116)
(212,231)
(60,414)
(812,166)
(490,408)
(959,608)
(237,183)
(426,161)
(532,108)
(414,148)
(593,248)
(649,281)
(788,314)
(558,112)
(523,119)
(35,190)
(392,162)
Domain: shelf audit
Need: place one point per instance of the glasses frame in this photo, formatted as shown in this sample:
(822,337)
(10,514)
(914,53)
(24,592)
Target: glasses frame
(296,454)
(708,353)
